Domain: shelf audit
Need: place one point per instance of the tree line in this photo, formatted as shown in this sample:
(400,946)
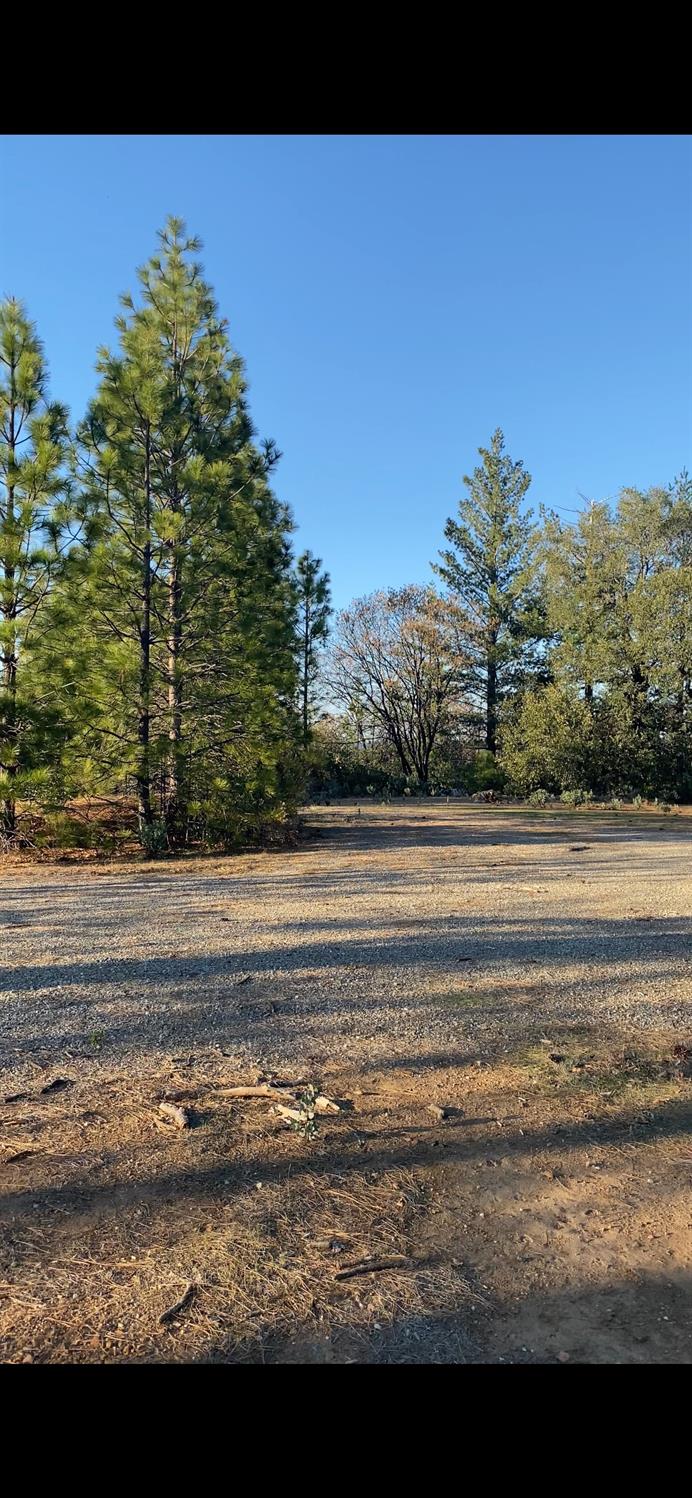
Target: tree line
(556,659)
(157,640)
(162,649)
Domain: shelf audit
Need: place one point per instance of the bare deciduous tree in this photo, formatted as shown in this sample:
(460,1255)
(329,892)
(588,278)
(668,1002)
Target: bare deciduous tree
(396,661)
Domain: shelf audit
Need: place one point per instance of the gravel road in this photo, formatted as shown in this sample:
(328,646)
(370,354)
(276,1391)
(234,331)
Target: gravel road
(392,933)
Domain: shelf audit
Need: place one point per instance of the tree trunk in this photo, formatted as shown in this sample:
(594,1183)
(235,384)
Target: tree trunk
(175,808)
(306,666)
(8,817)
(145,816)
(491,701)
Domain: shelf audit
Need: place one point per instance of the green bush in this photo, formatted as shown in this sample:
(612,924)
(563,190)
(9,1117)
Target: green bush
(539,797)
(154,838)
(576,798)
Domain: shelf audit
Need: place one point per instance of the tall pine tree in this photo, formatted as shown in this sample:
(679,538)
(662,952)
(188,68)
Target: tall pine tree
(491,568)
(190,582)
(35,534)
(314,610)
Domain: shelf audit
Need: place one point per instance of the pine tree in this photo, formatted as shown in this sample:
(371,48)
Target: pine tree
(491,567)
(36,527)
(190,582)
(314,610)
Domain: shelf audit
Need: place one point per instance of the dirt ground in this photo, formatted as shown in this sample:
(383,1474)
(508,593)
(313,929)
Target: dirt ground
(500,1003)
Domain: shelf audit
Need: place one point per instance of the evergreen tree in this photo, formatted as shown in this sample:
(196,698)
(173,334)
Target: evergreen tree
(314,610)
(190,582)
(36,528)
(491,566)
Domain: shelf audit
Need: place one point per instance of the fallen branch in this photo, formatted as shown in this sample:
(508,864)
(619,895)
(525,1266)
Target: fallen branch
(375,1266)
(180,1305)
(261,1091)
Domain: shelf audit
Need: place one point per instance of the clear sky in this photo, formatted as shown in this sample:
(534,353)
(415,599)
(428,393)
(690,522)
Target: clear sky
(395,299)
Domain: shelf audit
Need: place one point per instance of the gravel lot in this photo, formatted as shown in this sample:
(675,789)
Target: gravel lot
(280,958)
(501,1001)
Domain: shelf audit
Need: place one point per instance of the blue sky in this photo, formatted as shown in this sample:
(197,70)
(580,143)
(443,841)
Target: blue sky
(395,299)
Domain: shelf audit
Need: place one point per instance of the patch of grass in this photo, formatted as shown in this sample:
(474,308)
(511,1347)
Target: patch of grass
(462,998)
(570,1067)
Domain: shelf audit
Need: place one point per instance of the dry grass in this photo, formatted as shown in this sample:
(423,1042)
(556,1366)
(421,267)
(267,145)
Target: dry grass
(123,1214)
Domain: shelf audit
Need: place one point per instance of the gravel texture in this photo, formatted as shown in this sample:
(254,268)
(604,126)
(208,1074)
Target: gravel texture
(411,933)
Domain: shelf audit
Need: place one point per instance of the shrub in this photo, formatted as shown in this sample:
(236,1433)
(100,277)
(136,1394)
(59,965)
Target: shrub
(576,798)
(539,797)
(154,838)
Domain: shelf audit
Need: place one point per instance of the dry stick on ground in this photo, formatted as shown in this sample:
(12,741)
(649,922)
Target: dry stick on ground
(180,1305)
(399,1261)
(261,1091)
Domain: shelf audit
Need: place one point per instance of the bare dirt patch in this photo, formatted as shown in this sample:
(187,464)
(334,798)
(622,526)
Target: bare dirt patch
(407,959)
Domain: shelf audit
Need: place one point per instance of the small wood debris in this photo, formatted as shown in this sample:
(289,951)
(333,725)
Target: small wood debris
(58,1085)
(293,1115)
(437,1112)
(260,1091)
(373,1266)
(325,1105)
(177,1115)
(180,1305)
(275,1091)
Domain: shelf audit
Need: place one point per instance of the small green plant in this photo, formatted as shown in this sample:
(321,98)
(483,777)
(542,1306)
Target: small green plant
(575,798)
(538,798)
(154,838)
(64,831)
(307,1125)
(615,804)
(637,802)
(96,1039)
